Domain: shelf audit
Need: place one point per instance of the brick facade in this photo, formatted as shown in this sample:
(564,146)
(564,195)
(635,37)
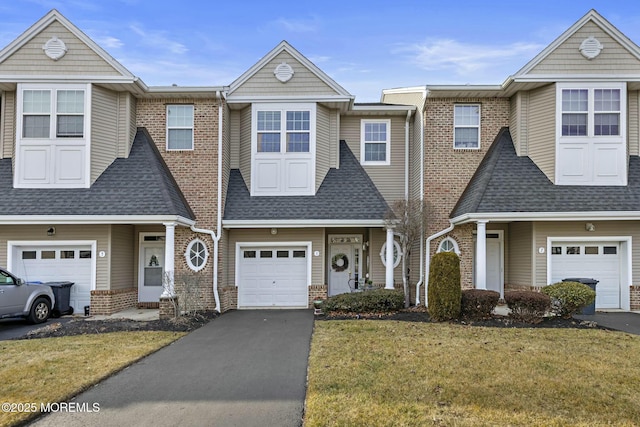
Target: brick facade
(634,292)
(112,301)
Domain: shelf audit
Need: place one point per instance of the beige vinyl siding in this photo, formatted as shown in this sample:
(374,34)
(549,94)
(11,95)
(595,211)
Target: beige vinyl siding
(98,233)
(323,143)
(126,123)
(245,145)
(542,122)
(303,82)
(389,179)
(122,258)
(79,60)
(567,59)
(234,138)
(633,122)
(519,258)
(334,148)
(518,122)
(259,235)
(542,230)
(378,273)
(104,130)
(8,125)
(226,156)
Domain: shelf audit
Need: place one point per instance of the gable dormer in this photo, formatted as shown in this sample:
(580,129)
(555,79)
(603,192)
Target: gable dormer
(68,106)
(285,112)
(576,111)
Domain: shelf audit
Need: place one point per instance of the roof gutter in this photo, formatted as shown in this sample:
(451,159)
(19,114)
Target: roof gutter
(547,216)
(215,236)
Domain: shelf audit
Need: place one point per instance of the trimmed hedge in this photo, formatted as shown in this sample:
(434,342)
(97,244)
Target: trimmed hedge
(478,304)
(444,293)
(377,301)
(527,306)
(569,297)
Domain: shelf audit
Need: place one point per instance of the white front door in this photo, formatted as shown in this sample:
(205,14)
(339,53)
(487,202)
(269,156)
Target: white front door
(151,268)
(494,265)
(344,265)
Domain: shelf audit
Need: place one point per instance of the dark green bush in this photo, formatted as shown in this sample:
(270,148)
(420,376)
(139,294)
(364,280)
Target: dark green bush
(378,301)
(478,304)
(444,293)
(567,298)
(527,306)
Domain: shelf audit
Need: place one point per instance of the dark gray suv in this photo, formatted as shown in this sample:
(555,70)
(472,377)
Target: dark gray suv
(20,299)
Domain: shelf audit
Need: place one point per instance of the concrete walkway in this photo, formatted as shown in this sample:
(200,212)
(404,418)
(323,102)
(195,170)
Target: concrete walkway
(245,368)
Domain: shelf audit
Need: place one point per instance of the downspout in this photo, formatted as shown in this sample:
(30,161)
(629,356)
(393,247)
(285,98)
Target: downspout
(428,255)
(406,155)
(422,275)
(215,236)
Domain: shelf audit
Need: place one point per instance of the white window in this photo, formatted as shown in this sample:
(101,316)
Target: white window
(179,127)
(448,245)
(466,126)
(52,136)
(196,255)
(590,129)
(375,145)
(283,147)
(397,254)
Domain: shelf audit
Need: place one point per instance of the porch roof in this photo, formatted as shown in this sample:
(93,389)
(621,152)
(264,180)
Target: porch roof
(139,185)
(507,183)
(346,194)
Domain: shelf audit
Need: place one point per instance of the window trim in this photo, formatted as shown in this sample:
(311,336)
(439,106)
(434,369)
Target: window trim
(478,126)
(187,255)
(397,250)
(449,239)
(363,143)
(192,127)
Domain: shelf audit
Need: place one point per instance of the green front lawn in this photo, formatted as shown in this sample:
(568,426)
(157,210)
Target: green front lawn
(388,373)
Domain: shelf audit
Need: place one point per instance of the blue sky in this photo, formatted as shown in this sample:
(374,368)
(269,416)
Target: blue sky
(366,46)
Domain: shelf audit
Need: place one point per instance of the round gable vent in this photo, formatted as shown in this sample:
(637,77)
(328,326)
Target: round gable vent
(283,72)
(590,47)
(55,48)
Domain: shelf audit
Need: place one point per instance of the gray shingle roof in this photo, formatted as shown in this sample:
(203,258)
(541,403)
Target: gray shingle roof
(346,193)
(506,183)
(138,185)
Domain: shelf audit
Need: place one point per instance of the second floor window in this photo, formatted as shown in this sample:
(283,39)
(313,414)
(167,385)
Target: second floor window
(590,112)
(296,131)
(375,142)
(52,112)
(179,127)
(466,126)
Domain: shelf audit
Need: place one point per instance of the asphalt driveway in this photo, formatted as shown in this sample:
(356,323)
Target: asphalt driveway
(246,368)
(11,328)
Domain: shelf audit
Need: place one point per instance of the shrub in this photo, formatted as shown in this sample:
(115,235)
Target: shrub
(569,297)
(444,293)
(478,304)
(527,306)
(377,301)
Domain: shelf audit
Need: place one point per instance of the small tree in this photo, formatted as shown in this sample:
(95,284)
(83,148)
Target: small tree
(408,219)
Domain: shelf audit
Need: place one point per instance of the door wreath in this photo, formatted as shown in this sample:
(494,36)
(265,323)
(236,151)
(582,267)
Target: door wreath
(339,262)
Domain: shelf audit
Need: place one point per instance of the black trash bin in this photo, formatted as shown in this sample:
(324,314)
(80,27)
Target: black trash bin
(62,293)
(591,308)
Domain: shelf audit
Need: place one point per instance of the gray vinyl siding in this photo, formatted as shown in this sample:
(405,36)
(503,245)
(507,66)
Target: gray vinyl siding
(245,145)
(633,123)
(259,235)
(79,60)
(567,59)
(323,143)
(104,130)
(303,82)
(99,233)
(234,138)
(542,122)
(8,125)
(388,179)
(518,122)
(122,260)
(378,272)
(519,258)
(542,230)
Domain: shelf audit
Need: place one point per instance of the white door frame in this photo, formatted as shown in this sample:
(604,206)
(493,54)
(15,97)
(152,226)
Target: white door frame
(500,234)
(11,244)
(357,242)
(241,245)
(141,261)
(626,261)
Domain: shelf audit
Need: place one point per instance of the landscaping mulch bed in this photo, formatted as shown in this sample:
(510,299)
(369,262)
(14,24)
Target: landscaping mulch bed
(82,326)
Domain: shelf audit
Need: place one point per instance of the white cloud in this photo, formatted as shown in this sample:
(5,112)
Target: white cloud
(466,59)
(108,42)
(158,39)
(298,25)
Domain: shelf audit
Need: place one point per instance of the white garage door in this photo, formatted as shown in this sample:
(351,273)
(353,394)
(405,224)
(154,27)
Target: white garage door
(56,264)
(273,277)
(600,261)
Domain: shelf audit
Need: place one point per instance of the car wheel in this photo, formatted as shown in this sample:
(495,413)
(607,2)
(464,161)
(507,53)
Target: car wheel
(40,310)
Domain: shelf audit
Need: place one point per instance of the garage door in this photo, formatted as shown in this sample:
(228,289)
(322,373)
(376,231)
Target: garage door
(273,277)
(57,263)
(600,261)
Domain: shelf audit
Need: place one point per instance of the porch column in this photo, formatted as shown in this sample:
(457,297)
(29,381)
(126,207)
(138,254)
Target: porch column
(388,281)
(481,255)
(169,254)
